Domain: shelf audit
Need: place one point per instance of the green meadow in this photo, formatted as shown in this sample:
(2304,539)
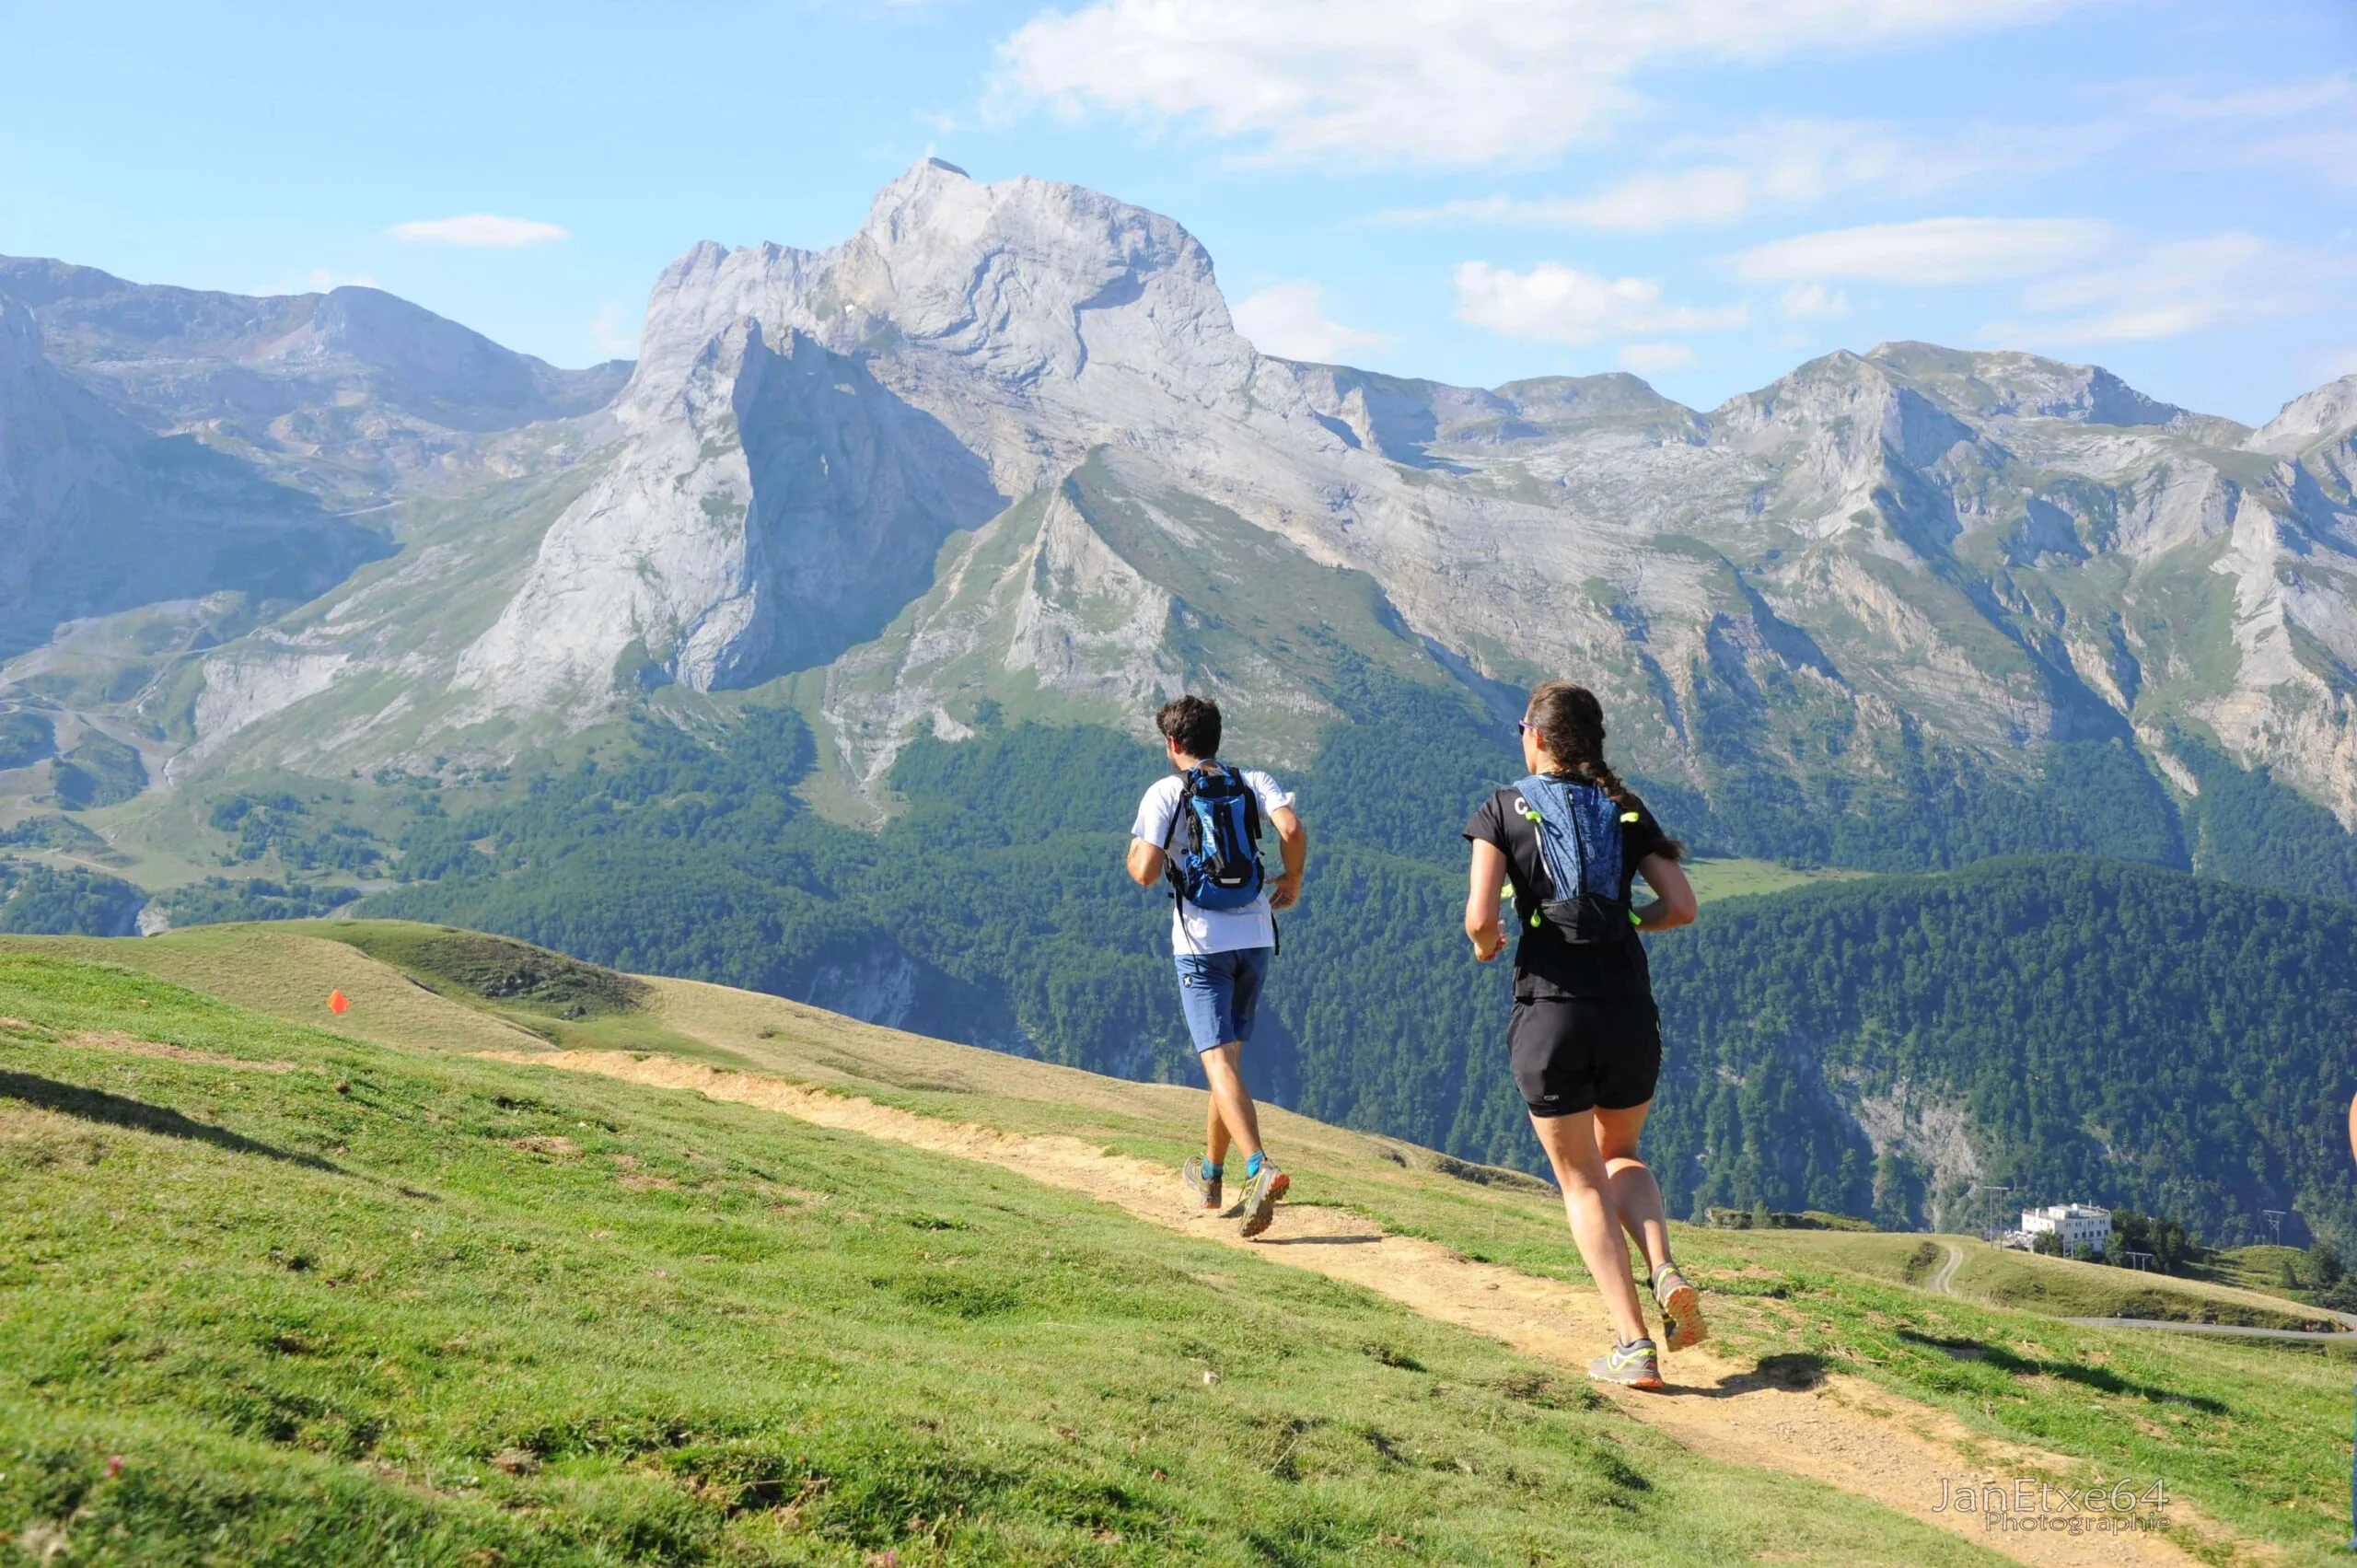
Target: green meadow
(276,1296)
(360,1293)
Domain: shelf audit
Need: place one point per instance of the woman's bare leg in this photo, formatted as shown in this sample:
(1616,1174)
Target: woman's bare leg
(1636,1196)
(1570,1142)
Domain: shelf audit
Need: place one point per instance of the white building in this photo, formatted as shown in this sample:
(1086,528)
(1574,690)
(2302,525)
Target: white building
(2079,1224)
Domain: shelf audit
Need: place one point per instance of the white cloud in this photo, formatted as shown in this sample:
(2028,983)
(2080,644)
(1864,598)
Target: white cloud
(2181,286)
(1647,203)
(1784,165)
(1429,81)
(613,331)
(2308,123)
(1558,304)
(1931,250)
(478,230)
(1289,320)
(1648,358)
(2277,100)
(1810,301)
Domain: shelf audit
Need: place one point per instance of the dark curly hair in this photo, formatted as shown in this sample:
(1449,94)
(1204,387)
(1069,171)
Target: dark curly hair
(1191,723)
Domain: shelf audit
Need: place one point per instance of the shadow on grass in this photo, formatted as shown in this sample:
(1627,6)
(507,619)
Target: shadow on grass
(116,1110)
(1317,1240)
(1793,1372)
(2095,1377)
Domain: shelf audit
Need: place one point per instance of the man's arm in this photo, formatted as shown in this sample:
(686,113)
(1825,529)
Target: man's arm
(1675,904)
(1293,841)
(1487,886)
(1145,863)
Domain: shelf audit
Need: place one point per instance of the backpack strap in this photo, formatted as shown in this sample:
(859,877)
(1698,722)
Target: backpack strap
(1180,814)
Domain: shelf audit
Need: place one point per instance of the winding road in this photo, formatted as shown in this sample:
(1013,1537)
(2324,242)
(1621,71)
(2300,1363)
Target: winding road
(1944,1282)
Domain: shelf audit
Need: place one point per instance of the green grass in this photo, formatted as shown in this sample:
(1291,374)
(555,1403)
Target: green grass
(494,969)
(2255,1433)
(2256,1268)
(2056,1287)
(1716,878)
(571,1004)
(336,1301)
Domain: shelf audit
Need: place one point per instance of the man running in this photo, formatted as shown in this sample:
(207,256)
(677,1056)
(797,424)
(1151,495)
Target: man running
(1200,826)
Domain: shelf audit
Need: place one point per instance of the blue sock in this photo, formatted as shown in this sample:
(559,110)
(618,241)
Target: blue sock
(1210,1171)
(1252,1167)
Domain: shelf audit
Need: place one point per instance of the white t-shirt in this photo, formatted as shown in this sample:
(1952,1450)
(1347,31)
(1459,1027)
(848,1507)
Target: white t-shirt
(1196,930)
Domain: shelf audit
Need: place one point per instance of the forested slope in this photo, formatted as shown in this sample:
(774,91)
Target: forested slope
(2084,1023)
(2113,1033)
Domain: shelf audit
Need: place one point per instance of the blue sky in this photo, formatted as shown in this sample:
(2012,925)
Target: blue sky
(1707,192)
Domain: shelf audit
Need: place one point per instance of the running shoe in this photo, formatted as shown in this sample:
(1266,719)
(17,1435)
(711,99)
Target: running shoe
(1203,1181)
(1260,1195)
(1681,1309)
(1634,1365)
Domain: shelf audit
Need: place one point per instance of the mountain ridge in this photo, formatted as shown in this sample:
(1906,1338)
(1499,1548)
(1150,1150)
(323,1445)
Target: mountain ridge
(1913,556)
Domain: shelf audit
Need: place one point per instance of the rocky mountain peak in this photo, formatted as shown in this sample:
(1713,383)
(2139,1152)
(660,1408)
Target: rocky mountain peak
(2009,385)
(1014,293)
(2311,420)
(383,392)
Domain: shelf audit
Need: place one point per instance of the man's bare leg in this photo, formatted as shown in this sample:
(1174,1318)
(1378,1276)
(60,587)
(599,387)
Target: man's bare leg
(1232,1113)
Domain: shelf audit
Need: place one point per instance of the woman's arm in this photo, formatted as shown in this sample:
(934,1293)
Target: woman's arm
(1673,903)
(1489,881)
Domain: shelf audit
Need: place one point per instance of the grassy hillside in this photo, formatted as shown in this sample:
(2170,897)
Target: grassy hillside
(146,1317)
(2051,1286)
(274,1294)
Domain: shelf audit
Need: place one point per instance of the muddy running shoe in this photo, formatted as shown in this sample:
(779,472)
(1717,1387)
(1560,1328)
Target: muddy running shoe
(1682,1310)
(1634,1365)
(1260,1195)
(1203,1181)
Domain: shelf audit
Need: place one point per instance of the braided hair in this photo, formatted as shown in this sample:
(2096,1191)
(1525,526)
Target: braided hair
(1567,716)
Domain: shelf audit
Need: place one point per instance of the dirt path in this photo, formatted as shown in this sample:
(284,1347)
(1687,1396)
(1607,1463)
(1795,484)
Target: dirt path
(1837,1430)
(1944,1282)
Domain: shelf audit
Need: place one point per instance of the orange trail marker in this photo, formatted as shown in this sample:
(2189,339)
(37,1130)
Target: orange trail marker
(338,1002)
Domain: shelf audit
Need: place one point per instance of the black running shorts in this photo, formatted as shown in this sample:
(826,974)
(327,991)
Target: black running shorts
(1571,1055)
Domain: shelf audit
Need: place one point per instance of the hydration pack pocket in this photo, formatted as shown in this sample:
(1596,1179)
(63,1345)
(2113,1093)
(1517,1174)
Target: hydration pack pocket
(1590,920)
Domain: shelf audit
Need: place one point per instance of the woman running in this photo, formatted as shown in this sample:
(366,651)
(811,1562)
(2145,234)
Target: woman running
(1586,1038)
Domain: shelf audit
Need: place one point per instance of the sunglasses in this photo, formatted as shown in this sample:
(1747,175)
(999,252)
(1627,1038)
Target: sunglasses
(1526,727)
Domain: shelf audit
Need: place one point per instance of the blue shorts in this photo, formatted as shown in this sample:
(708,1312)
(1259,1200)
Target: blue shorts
(1221,991)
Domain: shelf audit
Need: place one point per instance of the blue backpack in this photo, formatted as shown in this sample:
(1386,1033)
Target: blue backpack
(1218,866)
(1579,839)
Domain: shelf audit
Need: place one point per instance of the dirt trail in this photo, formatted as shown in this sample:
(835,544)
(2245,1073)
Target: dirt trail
(1944,1282)
(1834,1429)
